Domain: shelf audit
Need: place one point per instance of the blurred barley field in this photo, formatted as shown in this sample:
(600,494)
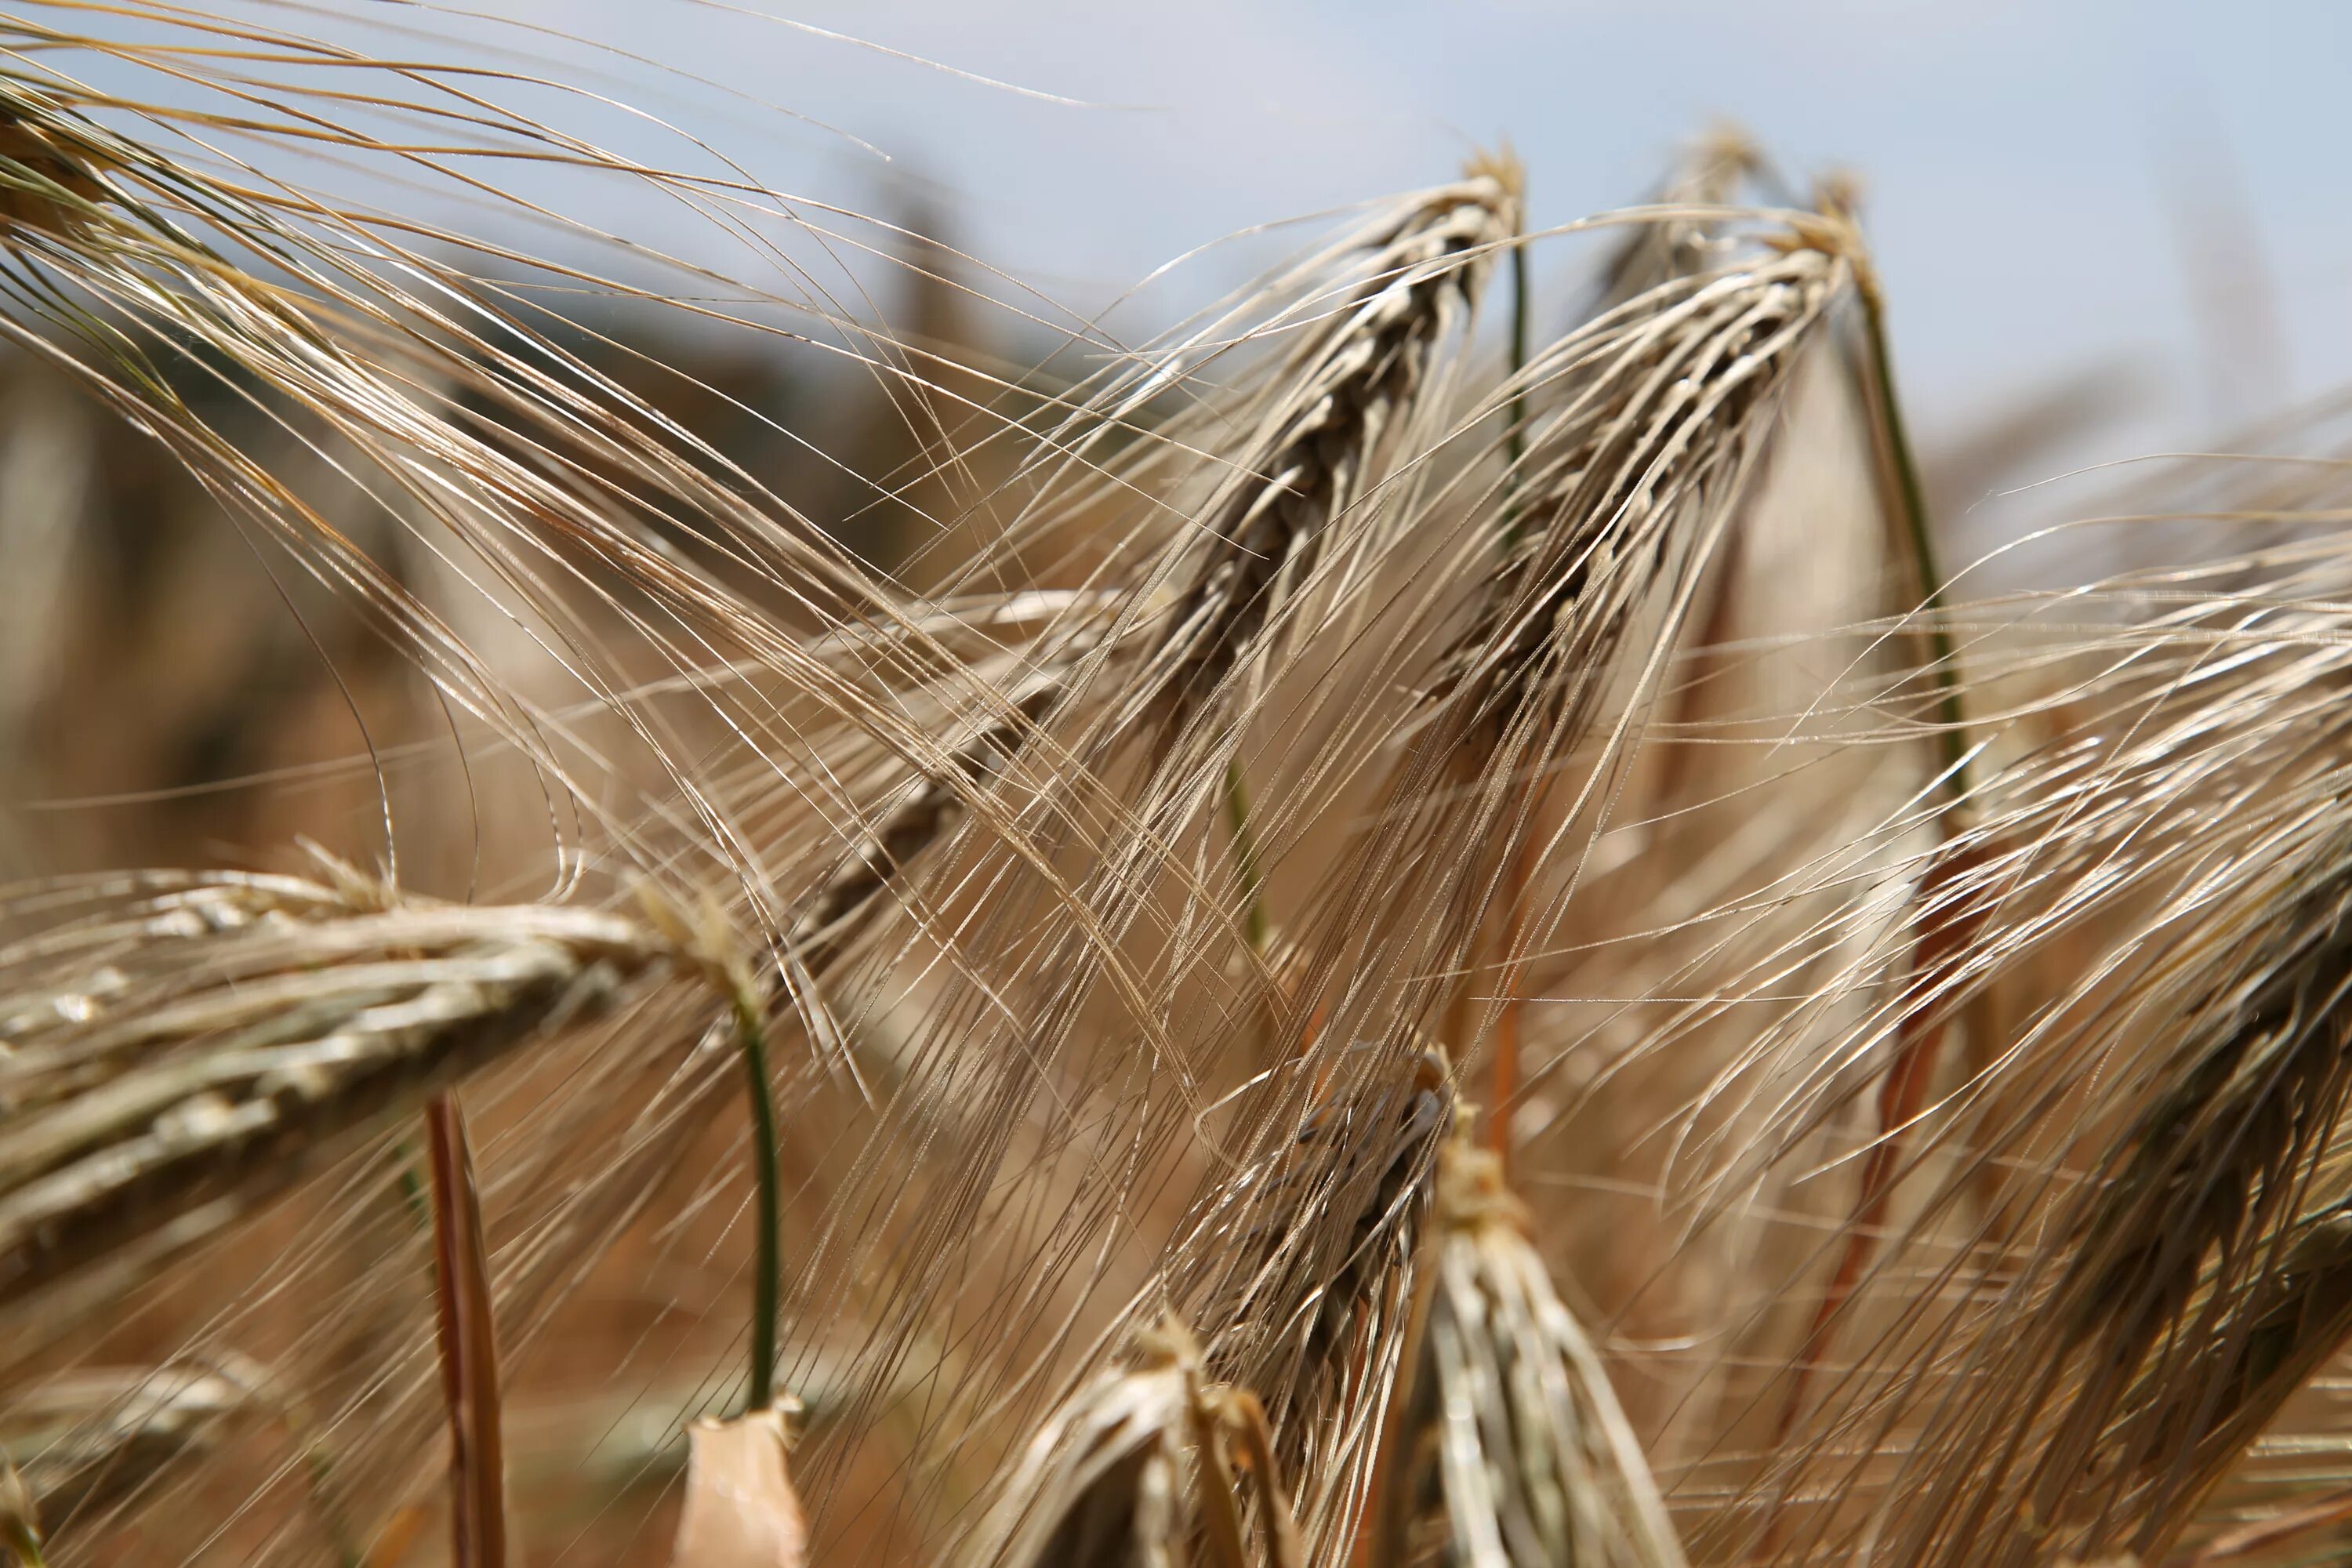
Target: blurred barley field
(820,910)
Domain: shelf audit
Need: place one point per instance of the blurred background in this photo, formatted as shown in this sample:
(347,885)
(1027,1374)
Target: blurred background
(2049,186)
(2106,229)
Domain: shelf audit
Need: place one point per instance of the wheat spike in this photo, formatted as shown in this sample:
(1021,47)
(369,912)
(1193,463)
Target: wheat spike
(1298,1270)
(1506,1447)
(1321,449)
(217,1042)
(1137,1465)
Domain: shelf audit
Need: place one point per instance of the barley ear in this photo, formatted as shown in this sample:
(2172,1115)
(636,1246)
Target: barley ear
(241,1031)
(1505,1443)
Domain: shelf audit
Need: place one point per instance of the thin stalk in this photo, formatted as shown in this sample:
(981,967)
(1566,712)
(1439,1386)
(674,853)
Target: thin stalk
(1911,496)
(1515,440)
(1919,1035)
(1504,1079)
(767,1282)
(412,1186)
(1246,859)
(469,1366)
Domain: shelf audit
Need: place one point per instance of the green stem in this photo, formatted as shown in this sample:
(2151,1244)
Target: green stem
(1515,438)
(767,1284)
(318,1480)
(1245,856)
(1504,1075)
(412,1185)
(1912,498)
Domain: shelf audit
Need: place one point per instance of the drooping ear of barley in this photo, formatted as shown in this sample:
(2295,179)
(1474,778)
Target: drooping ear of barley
(2129,1260)
(1298,1270)
(199,1045)
(1708,173)
(1255,550)
(1662,408)
(2196,1292)
(1651,422)
(1136,1467)
(1506,1445)
(1322,445)
(2185,1291)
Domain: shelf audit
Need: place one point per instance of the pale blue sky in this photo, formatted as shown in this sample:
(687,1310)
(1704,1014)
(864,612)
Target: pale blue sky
(2032,169)
(2043,179)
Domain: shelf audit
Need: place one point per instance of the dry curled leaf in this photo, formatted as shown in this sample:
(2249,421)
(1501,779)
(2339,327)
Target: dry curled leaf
(741,1508)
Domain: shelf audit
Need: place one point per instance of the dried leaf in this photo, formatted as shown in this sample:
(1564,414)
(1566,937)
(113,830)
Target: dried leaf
(741,1508)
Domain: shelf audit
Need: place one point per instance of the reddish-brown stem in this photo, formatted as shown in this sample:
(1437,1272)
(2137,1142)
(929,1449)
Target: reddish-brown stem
(1503,1083)
(469,1362)
(1919,1039)
(1901,1096)
(2332,1509)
